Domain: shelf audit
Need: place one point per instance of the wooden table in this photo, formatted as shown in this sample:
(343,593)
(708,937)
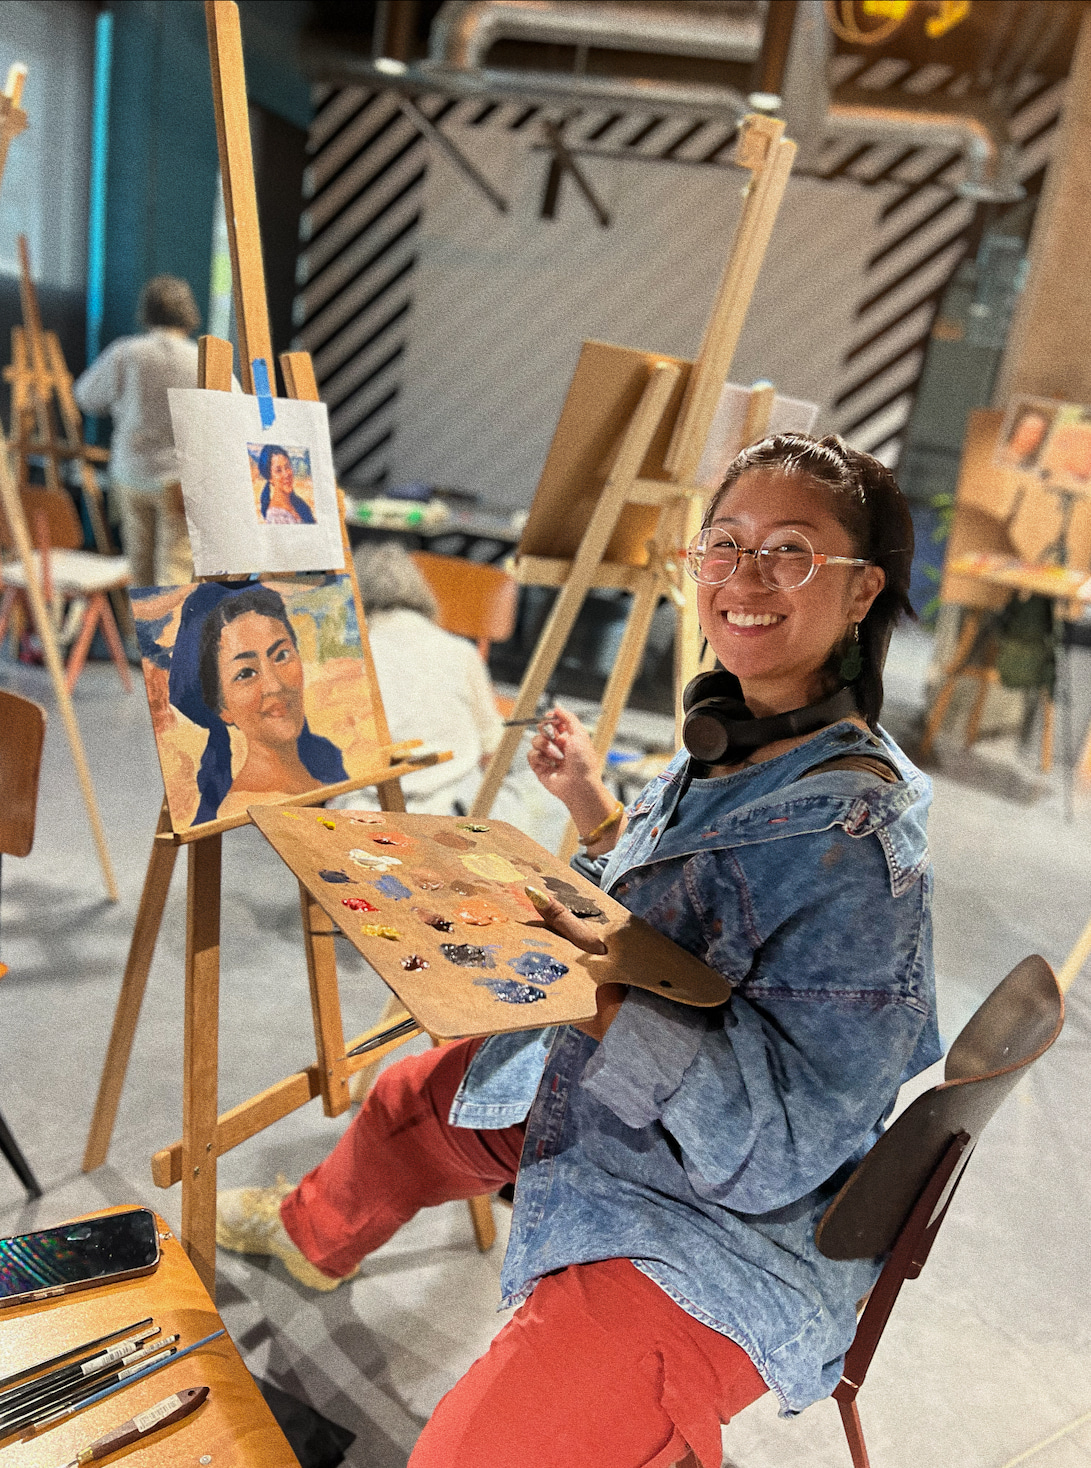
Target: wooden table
(232,1429)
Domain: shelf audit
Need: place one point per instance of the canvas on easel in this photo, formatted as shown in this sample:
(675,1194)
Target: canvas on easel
(12,122)
(205,1134)
(618,499)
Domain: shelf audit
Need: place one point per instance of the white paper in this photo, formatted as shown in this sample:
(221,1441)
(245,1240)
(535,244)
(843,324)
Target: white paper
(789,415)
(252,512)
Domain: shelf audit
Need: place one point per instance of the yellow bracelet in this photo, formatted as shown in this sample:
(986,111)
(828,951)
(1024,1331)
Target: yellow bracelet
(611,820)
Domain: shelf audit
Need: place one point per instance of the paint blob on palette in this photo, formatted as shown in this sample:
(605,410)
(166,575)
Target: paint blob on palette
(437,907)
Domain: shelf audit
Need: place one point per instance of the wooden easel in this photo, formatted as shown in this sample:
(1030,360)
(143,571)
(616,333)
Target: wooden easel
(657,411)
(12,122)
(45,419)
(206,1135)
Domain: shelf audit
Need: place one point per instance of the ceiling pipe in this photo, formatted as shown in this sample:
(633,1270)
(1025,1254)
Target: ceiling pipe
(972,128)
(464,30)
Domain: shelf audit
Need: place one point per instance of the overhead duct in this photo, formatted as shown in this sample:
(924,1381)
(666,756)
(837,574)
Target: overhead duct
(814,116)
(464,31)
(620,54)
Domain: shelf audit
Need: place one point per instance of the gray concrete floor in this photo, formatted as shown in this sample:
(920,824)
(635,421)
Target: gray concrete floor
(988,1356)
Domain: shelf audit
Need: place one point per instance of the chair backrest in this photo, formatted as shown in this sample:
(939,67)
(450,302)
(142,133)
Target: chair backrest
(62,523)
(1016,1024)
(475,601)
(22,733)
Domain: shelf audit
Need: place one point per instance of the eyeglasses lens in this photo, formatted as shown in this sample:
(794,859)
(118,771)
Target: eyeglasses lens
(784,563)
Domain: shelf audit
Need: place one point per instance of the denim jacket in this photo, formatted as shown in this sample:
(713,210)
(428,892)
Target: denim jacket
(705,1145)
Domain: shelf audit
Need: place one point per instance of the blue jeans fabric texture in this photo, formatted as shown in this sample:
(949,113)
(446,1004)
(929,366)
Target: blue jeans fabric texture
(705,1145)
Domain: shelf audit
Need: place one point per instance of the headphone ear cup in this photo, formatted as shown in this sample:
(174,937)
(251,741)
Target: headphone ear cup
(716,684)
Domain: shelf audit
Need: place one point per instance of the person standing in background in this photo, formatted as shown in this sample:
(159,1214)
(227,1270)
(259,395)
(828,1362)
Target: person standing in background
(129,381)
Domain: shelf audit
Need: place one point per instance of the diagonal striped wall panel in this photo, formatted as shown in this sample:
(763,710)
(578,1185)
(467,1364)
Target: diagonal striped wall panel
(418,355)
(363,191)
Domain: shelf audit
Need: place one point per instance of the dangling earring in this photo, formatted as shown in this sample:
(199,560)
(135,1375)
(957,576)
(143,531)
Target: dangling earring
(852,660)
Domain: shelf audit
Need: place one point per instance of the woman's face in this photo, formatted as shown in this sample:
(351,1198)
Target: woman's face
(777,642)
(261,679)
(281,477)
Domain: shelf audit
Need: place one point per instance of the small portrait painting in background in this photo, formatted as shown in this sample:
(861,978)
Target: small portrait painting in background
(1066,459)
(257,691)
(1024,433)
(283,488)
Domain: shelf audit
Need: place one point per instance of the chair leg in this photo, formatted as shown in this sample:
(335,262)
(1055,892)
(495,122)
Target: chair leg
(850,1420)
(10,1148)
(114,643)
(82,646)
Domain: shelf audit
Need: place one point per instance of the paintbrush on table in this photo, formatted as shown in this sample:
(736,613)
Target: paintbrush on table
(92,1365)
(74,1392)
(6,1381)
(163,1414)
(127,1378)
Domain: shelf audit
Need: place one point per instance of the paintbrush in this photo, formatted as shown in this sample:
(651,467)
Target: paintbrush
(42,1386)
(6,1381)
(163,1414)
(26,1414)
(155,1364)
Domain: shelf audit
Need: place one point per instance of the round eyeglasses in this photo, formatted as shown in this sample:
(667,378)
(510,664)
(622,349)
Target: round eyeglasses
(786,560)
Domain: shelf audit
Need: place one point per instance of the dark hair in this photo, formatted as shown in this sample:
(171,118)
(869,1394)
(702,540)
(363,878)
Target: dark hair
(265,458)
(167,300)
(260,599)
(868,503)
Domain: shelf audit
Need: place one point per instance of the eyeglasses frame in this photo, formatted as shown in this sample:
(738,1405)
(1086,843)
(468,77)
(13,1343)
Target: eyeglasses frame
(818,558)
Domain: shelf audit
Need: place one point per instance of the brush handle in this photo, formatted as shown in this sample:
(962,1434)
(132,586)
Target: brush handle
(169,1410)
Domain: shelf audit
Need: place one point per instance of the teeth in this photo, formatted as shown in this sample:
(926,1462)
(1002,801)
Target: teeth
(749,619)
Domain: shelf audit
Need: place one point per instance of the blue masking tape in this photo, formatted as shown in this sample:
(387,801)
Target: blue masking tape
(260,372)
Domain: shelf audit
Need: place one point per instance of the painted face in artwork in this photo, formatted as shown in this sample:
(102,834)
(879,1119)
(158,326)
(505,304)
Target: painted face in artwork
(1027,435)
(281,478)
(261,680)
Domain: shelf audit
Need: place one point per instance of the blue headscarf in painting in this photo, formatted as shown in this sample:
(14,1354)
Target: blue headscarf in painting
(194,686)
(265,464)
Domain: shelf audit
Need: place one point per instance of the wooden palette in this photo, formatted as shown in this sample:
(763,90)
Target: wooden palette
(471,876)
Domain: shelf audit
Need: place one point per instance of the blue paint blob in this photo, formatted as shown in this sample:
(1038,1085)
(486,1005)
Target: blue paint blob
(510,991)
(330,876)
(468,955)
(390,887)
(540,966)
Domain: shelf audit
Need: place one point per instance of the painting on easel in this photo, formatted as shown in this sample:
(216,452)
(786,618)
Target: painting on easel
(257,691)
(258,483)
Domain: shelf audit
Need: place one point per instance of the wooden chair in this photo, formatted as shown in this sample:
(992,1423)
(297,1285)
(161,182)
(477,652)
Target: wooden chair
(475,601)
(76,583)
(895,1201)
(22,733)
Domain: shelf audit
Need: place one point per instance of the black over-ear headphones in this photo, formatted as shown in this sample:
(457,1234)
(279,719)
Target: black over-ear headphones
(719,727)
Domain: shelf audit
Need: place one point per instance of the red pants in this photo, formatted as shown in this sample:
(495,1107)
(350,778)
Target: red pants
(598,1369)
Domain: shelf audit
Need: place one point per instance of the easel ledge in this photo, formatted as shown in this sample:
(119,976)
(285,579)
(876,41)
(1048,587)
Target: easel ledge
(393,765)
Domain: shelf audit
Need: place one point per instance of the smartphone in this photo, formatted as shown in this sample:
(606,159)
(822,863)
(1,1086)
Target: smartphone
(77,1256)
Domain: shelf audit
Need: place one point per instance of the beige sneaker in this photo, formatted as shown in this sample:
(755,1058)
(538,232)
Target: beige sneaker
(248,1222)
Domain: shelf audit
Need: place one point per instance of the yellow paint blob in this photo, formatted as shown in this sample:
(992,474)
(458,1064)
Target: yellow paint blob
(378,930)
(325,821)
(492,867)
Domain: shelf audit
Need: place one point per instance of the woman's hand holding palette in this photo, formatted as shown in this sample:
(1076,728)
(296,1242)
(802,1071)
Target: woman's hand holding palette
(439,907)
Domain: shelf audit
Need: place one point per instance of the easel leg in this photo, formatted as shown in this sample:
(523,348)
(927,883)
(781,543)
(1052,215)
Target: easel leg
(149,916)
(329,1035)
(622,677)
(967,637)
(200,1089)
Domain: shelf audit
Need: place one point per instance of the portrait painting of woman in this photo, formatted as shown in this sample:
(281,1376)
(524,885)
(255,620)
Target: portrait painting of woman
(248,669)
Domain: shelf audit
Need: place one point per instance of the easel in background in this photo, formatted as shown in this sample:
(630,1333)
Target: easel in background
(617,503)
(41,398)
(12,122)
(1001,516)
(206,1135)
